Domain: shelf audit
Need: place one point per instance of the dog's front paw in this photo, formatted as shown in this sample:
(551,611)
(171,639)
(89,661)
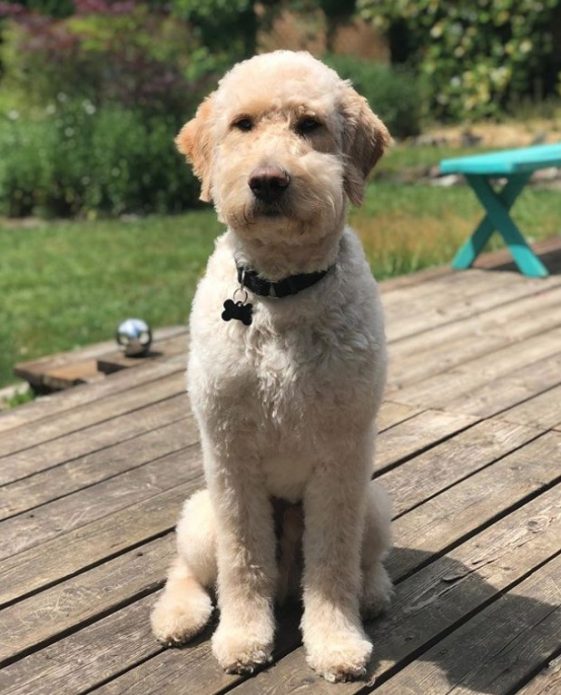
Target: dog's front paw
(341,656)
(177,619)
(242,649)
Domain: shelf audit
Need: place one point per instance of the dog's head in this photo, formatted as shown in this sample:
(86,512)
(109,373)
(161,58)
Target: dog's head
(280,144)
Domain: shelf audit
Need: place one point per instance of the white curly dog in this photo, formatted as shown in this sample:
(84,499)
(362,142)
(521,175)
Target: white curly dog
(286,372)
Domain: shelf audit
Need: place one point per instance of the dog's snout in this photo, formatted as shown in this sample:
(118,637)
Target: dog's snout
(268,183)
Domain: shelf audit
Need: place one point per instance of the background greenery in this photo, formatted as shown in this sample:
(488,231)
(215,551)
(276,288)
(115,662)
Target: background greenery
(480,57)
(93,91)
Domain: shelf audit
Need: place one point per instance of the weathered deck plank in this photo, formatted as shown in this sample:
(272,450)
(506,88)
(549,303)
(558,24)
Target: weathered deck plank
(446,464)
(73,664)
(56,595)
(453,344)
(72,602)
(472,385)
(66,401)
(477,500)
(421,315)
(93,467)
(543,410)
(546,682)
(470,450)
(73,552)
(81,442)
(497,648)
(87,416)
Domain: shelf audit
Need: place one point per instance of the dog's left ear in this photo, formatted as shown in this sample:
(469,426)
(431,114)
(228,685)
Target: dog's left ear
(365,138)
(195,142)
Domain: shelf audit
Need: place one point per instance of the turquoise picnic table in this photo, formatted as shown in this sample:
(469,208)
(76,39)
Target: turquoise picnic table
(516,166)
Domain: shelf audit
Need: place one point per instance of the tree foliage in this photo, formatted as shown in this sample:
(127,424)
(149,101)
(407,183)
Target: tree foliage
(476,55)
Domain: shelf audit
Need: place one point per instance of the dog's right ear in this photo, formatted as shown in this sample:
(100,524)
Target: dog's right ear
(195,142)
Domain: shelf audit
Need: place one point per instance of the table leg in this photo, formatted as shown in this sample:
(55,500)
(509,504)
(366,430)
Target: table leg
(497,206)
(500,203)
(467,254)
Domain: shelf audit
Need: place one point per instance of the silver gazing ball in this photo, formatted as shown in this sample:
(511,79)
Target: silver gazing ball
(134,337)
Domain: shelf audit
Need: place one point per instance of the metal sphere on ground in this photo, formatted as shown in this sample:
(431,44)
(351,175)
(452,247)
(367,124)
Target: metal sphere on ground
(134,337)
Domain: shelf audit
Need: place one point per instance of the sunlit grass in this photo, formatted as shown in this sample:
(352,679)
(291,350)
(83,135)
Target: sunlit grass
(406,228)
(65,284)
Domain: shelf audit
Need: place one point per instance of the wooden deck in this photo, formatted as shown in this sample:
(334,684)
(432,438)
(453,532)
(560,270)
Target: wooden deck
(470,449)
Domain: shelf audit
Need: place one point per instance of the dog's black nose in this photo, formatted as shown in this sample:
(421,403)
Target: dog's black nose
(268,183)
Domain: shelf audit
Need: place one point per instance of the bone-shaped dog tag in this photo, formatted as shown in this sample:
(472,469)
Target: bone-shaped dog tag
(237,310)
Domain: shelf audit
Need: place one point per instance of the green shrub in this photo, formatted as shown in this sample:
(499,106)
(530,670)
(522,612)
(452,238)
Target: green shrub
(118,80)
(130,56)
(394,94)
(74,159)
(477,55)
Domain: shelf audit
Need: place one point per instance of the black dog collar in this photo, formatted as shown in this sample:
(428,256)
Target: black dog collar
(283,288)
(241,310)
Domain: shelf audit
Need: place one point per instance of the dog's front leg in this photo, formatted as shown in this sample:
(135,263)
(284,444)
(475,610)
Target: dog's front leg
(334,510)
(246,565)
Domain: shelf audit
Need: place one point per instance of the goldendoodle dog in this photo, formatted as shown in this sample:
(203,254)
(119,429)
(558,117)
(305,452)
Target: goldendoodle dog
(286,373)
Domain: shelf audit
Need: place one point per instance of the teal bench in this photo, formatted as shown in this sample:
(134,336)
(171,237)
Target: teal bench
(516,166)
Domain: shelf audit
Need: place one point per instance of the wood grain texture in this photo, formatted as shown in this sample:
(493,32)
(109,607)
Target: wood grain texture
(528,530)
(493,651)
(72,552)
(84,506)
(546,682)
(392,413)
(455,459)
(506,391)
(66,401)
(476,501)
(167,672)
(92,414)
(84,659)
(454,344)
(462,385)
(543,410)
(454,284)
(66,605)
(420,315)
(516,319)
(418,432)
(92,437)
(93,467)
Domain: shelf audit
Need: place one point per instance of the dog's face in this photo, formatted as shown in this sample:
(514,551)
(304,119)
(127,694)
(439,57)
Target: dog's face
(280,145)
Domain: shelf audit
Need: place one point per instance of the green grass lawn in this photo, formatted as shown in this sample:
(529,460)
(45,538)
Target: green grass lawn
(66,284)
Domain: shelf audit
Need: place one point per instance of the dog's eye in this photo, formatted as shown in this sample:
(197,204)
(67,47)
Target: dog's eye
(244,124)
(307,125)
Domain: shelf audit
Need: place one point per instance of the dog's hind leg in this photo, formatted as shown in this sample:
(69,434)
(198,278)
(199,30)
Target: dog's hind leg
(377,587)
(184,607)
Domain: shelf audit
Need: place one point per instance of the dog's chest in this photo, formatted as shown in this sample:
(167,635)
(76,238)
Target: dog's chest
(292,375)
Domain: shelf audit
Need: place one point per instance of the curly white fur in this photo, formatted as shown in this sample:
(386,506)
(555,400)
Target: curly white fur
(286,407)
